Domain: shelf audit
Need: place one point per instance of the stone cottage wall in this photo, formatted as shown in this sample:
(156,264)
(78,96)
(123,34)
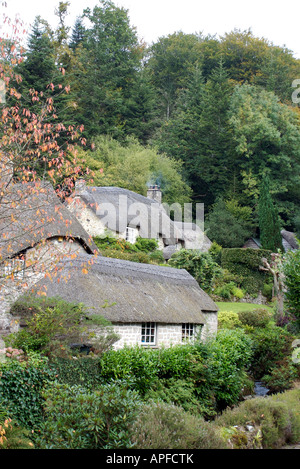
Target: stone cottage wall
(39,260)
(166,334)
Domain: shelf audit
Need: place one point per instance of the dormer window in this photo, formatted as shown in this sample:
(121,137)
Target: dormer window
(15,267)
(130,235)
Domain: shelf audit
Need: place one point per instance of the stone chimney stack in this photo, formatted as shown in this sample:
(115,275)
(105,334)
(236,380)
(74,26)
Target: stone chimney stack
(80,185)
(154,193)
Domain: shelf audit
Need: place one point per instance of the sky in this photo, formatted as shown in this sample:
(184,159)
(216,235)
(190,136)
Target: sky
(276,21)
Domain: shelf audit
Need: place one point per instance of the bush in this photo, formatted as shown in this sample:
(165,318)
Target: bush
(228,356)
(228,320)
(166,426)
(12,436)
(277,417)
(21,385)
(139,257)
(79,419)
(199,264)
(257,318)
(51,324)
(229,291)
(245,264)
(282,377)
(291,269)
(270,345)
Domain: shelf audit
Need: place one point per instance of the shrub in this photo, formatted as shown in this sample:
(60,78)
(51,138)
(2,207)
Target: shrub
(199,264)
(140,257)
(281,377)
(270,345)
(278,418)
(245,264)
(12,436)
(166,426)
(157,257)
(21,385)
(228,320)
(257,318)
(229,355)
(79,419)
(291,268)
(229,291)
(53,325)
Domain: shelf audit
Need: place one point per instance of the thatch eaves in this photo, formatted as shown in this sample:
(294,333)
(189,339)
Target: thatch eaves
(31,214)
(132,292)
(289,240)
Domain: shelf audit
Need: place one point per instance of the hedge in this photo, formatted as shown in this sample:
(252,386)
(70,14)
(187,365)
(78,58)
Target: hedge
(245,264)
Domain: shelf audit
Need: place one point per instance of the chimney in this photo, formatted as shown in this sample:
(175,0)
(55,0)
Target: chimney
(80,185)
(154,193)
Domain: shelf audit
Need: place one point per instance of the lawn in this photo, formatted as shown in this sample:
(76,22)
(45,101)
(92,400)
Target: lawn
(236,306)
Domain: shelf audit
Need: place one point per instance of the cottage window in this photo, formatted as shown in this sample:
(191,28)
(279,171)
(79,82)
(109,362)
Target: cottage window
(148,333)
(130,235)
(188,331)
(15,267)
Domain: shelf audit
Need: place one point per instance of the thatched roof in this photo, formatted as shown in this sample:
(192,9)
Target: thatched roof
(119,208)
(135,292)
(289,240)
(32,213)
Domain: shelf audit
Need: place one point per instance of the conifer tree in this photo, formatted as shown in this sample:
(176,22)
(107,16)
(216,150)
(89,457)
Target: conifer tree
(269,224)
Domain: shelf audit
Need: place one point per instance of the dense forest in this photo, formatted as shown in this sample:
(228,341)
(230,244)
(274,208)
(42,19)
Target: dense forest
(205,117)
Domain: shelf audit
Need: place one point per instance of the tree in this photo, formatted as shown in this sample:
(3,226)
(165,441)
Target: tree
(269,225)
(224,228)
(133,166)
(171,61)
(266,137)
(291,268)
(109,57)
(30,156)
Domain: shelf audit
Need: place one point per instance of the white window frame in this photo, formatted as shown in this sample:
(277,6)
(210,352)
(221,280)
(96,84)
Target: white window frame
(130,235)
(188,332)
(148,333)
(15,266)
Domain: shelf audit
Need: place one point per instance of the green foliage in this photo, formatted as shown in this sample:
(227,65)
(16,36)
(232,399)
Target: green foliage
(228,356)
(282,377)
(161,425)
(269,225)
(291,268)
(256,318)
(133,166)
(270,346)
(51,325)
(79,370)
(245,263)
(228,320)
(225,227)
(229,291)
(79,419)
(12,436)
(277,416)
(21,385)
(200,265)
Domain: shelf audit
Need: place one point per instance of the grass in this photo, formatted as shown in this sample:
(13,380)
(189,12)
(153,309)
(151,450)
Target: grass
(236,306)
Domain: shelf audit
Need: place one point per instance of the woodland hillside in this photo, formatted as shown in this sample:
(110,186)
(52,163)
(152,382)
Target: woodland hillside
(207,118)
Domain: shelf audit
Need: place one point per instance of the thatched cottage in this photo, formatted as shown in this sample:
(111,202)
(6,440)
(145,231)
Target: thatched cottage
(36,232)
(289,242)
(128,215)
(148,305)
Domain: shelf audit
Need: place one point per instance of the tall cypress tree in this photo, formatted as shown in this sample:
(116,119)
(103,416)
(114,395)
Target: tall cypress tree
(269,225)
